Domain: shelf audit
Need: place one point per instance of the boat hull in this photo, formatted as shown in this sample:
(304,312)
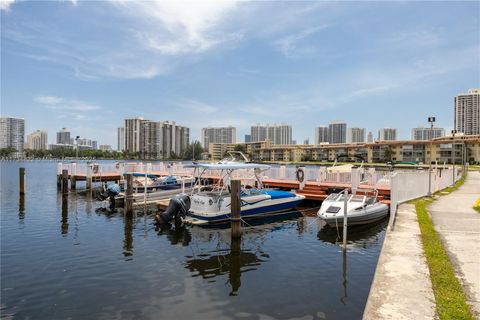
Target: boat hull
(371,216)
(249,211)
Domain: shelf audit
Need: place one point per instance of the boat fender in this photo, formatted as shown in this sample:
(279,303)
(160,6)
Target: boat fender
(300,175)
(178,207)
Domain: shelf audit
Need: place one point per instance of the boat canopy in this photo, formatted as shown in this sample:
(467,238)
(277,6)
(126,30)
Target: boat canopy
(228,166)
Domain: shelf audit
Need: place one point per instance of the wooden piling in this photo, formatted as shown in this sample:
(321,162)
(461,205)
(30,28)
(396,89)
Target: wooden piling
(73,182)
(235,220)
(89,175)
(64,181)
(21,175)
(129,195)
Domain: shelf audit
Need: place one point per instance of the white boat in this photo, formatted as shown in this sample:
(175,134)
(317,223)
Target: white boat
(361,209)
(211,204)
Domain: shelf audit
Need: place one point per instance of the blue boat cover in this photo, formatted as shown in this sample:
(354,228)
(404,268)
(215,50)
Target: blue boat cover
(279,194)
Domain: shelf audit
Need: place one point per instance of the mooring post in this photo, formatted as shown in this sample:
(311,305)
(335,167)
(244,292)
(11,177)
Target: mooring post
(235,221)
(129,195)
(21,175)
(64,181)
(59,176)
(345,204)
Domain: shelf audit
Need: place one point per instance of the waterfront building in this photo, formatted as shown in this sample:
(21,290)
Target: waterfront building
(467,112)
(248,138)
(422,133)
(218,135)
(321,134)
(337,132)
(83,143)
(105,147)
(440,150)
(37,140)
(54,146)
(356,135)
(278,134)
(12,134)
(387,134)
(121,139)
(370,137)
(132,134)
(306,141)
(63,137)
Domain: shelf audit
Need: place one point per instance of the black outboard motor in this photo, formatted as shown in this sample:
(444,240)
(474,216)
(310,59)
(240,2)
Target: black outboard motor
(178,207)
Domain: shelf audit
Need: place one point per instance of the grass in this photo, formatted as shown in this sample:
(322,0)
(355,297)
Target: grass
(476,206)
(451,302)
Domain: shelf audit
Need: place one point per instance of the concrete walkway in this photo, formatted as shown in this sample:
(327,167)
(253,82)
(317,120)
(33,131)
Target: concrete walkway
(459,228)
(401,288)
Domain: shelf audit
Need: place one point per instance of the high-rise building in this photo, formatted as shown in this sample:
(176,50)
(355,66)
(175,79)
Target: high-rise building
(467,112)
(37,140)
(12,134)
(370,137)
(105,147)
(387,134)
(218,135)
(162,139)
(132,134)
(306,141)
(63,136)
(321,134)
(356,135)
(277,134)
(121,139)
(248,138)
(422,133)
(84,143)
(337,132)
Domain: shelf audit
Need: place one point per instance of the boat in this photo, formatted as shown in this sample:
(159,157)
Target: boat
(152,183)
(211,204)
(361,209)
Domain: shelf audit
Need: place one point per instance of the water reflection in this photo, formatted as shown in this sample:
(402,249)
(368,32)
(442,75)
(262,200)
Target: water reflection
(344,277)
(176,234)
(359,236)
(64,222)
(128,236)
(21,208)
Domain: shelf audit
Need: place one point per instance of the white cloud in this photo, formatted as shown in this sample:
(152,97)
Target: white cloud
(5,4)
(292,44)
(59,103)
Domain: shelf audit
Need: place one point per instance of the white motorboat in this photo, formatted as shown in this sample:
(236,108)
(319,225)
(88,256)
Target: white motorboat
(211,204)
(361,209)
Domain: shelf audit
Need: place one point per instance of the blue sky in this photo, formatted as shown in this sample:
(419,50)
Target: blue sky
(89,65)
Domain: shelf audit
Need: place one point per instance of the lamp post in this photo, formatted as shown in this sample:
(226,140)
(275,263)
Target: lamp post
(453,154)
(76,142)
(432,121)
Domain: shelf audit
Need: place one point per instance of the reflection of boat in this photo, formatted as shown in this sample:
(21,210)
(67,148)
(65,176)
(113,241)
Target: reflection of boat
(361,209)
(213,205)
(360,234)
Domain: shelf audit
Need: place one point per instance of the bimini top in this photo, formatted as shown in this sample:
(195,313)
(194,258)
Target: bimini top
(228,166)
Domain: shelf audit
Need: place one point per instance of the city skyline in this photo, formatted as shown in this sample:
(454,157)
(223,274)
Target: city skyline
(227,67)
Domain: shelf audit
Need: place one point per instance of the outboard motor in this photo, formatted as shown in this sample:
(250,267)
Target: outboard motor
(112,190)
(178,207)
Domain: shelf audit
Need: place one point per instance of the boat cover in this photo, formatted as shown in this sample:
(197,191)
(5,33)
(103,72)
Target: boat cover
(278,194)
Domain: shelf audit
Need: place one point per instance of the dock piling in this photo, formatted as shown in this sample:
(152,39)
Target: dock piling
(235,220)
(89,175)
(73,178)
(345,203)
(64,181)
(21,174)
(129,195)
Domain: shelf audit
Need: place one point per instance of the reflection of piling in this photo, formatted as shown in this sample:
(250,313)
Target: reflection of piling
(344,277)
(21,207)
(65,181)
(128,233)
(235,221)
(21,175)
(235,274)
(129,195)
(64,226)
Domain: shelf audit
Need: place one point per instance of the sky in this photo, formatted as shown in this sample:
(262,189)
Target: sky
(87,65)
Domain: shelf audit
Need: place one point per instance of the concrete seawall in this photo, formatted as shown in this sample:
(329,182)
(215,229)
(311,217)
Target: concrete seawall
(401,288)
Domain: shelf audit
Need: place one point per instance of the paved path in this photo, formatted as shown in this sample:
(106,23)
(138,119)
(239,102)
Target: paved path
(459,228)
(401,288)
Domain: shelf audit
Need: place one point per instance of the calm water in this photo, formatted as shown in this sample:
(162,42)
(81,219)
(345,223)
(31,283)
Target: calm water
(78,263)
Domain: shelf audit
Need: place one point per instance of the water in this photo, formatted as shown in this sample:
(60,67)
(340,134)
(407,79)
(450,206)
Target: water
(75,262)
